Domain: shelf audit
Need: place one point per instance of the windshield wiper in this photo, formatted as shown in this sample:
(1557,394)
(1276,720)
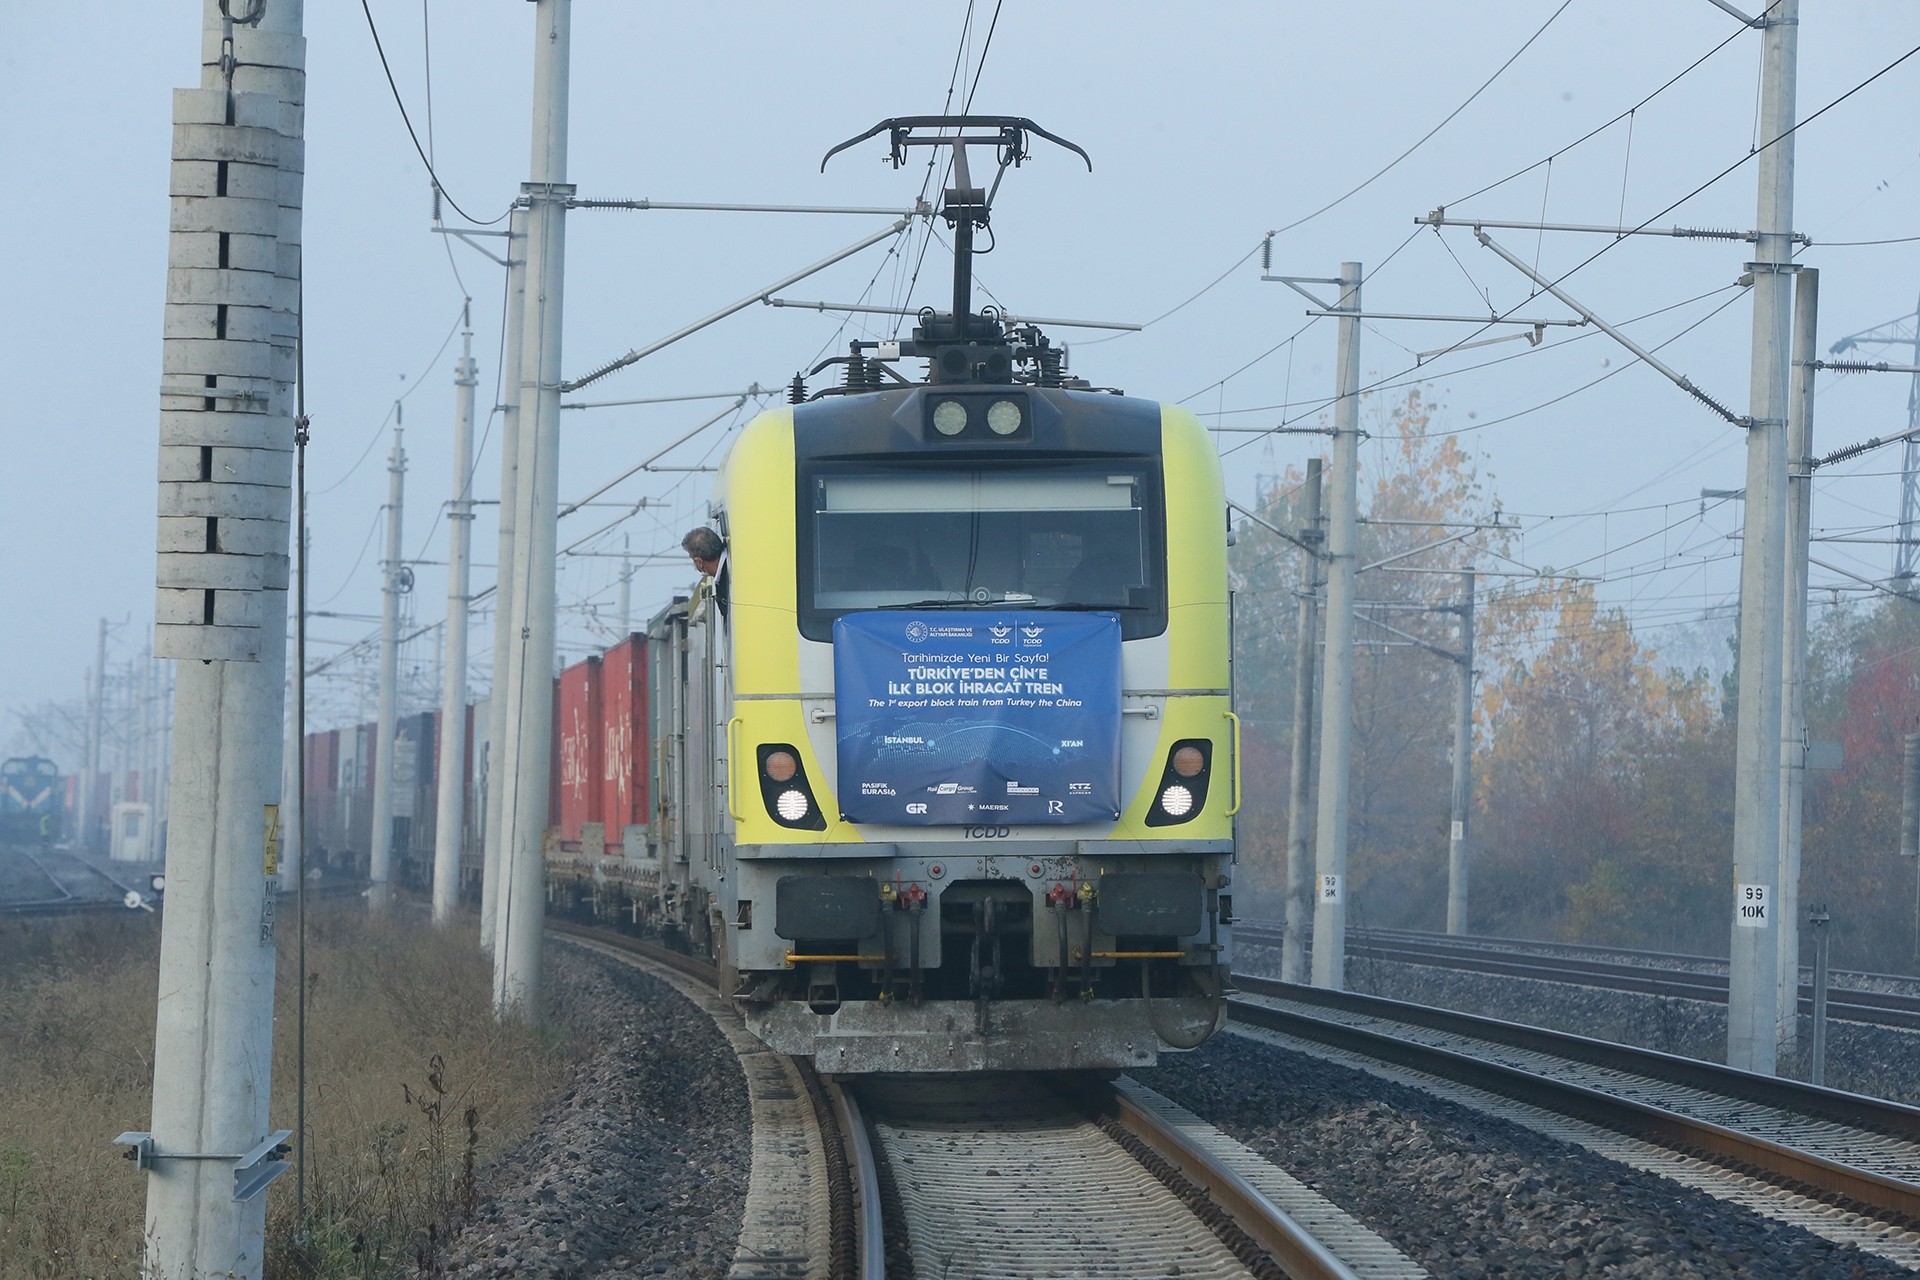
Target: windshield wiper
(930,604)
(1096,608)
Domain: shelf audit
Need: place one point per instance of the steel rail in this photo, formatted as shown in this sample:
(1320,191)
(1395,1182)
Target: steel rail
(1826,1178)
(1880,1008)
(865,1243)
(864,1174)
(1293,1247)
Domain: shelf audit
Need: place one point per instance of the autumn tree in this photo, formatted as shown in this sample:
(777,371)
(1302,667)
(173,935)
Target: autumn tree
(1417,485)
(1864,690)
(1603,786)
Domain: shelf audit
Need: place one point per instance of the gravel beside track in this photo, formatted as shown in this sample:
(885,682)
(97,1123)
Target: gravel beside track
(641,1169)
(1469,1196)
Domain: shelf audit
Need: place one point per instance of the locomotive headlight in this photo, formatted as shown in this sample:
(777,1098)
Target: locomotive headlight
(781,766)
(1003,417)
(1176,800)
(950,417)
(1188,761)
(792,805)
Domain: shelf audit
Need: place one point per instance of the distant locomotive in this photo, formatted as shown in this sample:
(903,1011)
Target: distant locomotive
(941,769)
(32,798)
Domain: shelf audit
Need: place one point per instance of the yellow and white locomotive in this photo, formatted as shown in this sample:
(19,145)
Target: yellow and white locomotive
(944,756)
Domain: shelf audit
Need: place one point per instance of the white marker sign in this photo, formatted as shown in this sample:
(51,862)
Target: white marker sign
(1330,888)
(1751,906)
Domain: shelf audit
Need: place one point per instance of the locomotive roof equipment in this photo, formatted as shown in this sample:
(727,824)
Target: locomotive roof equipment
(959,346)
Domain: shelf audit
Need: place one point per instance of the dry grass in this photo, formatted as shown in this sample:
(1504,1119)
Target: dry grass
(411,1085)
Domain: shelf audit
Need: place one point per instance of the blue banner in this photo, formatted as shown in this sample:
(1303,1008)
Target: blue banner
(978,718)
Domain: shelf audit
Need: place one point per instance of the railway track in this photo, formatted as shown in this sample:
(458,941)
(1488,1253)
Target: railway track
(76,885)
(1682,977)
(1038,1175)
(1823,1154)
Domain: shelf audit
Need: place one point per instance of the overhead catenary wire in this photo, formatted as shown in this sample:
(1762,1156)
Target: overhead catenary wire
(374,30)
(1611,244)
(1337,201)
(397,402)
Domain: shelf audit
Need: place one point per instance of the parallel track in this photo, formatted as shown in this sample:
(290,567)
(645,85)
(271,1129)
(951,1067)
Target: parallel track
(59,869)
(1675,976)
(1850,1151)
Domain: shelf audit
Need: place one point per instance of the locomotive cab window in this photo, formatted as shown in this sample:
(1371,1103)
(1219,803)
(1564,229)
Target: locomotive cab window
(1085,535)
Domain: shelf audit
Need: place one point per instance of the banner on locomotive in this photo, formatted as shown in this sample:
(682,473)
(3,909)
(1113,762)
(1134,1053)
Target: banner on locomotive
(1003,718)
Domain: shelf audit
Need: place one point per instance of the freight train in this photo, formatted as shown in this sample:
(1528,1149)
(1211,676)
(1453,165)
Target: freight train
(940,765)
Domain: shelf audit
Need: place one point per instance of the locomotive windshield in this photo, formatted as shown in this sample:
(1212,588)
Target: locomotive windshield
(1083,535)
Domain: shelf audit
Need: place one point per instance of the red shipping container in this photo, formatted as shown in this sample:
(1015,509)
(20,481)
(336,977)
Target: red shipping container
(577,735)
(625,757)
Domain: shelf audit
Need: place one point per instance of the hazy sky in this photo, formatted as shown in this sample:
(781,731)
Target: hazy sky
(1209,125)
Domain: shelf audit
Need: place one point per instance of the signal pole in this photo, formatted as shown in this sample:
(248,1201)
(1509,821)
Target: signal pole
(449,828)
(1754,968)
(380,868)
(525,785)
(1293,950)
(1336,698)
(225,503)
(499,706)
(1458,849)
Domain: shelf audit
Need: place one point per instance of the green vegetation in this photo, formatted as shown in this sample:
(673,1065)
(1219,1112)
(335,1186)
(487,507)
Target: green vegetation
(411,1087)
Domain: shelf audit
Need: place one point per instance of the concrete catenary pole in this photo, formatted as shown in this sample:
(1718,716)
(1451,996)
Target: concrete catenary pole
(1754,973)
(1459,835)
(89,798)
(449,828)
(226,463)
(1336,696)
(380,869)
(626,587)
(1910,796)
(120,770)
(499,710)
(1293,943)
(530,669)
(164,746)
(143,763)
(1795,745)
